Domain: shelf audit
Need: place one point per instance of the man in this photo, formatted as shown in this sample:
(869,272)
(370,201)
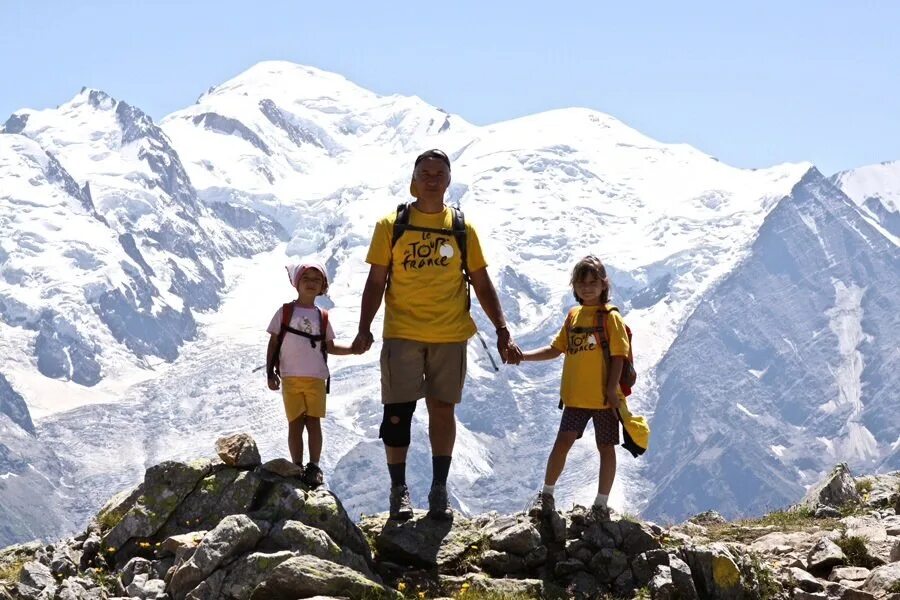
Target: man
(419,263)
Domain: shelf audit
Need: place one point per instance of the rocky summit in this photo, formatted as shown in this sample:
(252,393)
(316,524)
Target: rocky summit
(233,527)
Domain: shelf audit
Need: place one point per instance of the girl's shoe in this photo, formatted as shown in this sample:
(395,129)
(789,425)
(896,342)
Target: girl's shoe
(312,475)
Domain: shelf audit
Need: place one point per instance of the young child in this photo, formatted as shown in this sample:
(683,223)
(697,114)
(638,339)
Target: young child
(589,389)
(296,363)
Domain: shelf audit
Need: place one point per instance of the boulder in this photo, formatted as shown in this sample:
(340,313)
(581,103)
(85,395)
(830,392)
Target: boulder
(519,539)
(824,555)
(836,490)
(238,450)
(304,576)
(424,542)
(883,579)
(848,573)
(803,580)
(714,571)
(283,468)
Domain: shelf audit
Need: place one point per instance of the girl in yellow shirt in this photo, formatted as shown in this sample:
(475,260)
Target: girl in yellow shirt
(589,390)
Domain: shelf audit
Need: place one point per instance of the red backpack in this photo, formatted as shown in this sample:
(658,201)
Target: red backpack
(629,375)
(287,311)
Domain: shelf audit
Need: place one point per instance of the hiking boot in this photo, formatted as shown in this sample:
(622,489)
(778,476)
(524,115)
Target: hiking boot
(439,503)
(600,513)
(542,505)
(312,475)
(401,506)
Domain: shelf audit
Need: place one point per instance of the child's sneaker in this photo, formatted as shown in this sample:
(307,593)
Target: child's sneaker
(542,504)
(312,475)
(401,506)
(439,503)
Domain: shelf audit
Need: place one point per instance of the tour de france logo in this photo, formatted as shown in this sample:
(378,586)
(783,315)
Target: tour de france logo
(429,251)
(580,341)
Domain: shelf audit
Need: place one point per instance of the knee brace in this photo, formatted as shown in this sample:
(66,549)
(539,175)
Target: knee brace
(396,424)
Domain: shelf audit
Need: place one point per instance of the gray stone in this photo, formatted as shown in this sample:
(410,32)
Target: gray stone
(714,570)
(238,450)
(709,517)
(37,575)
(583,585)
(608,564)
(424,542)
(248,571)
(145,588)
(841,592)
(598,537)
(661,585)
(226,491)
(283,467)
(501,564)
(837,489)
(209,588)
(874,535)
(804,580)
(173,544)
(135,566)
(536,557)
(232,536)
(165,486)
(644,565)
(883,578)
(851,573)
(895,551)
(69,589)
(824,555)
(324,511)
(637,538)
(826,512)
(567,567)
(681,577)
(303,539)
(799,594)
(519,539)
(304,576)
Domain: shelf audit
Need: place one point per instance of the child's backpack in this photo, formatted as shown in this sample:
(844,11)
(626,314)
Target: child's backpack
(629,375)
(458,231)
(287,311)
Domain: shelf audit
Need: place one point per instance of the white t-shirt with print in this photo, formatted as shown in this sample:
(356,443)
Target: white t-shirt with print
(298,358)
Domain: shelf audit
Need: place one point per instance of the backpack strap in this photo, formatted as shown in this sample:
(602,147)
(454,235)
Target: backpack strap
(287,311)
(323,329)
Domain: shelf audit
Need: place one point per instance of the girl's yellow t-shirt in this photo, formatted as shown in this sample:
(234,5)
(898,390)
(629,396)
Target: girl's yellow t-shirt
(584,367)
(426,297)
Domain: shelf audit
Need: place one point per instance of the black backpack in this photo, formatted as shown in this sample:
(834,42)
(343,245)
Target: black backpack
(458,231)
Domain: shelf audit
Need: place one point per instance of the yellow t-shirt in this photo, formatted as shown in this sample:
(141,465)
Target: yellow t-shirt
(426,297)
(584,367)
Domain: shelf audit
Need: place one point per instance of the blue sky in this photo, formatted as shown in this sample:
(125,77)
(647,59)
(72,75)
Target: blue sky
(754,83)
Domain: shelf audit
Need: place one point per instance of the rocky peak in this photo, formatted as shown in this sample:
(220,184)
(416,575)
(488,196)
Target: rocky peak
(233,528)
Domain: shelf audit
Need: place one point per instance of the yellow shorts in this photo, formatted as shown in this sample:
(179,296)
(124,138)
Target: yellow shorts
(303,396)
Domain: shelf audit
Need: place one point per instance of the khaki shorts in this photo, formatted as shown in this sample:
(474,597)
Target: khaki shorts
(412,370)
(303,397)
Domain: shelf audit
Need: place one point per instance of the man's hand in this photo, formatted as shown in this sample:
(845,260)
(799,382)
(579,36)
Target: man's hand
(362,342)
(509,351)
(274,382)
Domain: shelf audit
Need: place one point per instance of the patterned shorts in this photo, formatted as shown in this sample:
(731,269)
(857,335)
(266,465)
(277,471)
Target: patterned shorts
(606,424)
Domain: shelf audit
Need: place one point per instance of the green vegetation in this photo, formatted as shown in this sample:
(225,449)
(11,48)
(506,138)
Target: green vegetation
(864,486)
(769,588)
(854,548)
(10,571)
(746,531)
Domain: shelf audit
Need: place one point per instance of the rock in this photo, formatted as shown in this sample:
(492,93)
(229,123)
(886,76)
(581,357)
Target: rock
(637,538)
(501,564)
(232,536)
(608,564)
(895,551)
(424,542)
(172,545)
(598,537)
(536,557)
(661,585)
(799,594)
(519,539)
(840,592)
(824,555)
(304,576)
(324,511)
(805,581)
(826,512)
(583,585)
(848,573)
(227,491)
(777,541)
(209,588)
(69,589)
(90,550)
(579,549)
(644,565)
(681,577)
(714,571)
(883,579)
(238,450)
(165,486)
(37,575)
(249,571)
(567,567)
(875,538)
(837,489)
(145,588)
(709,517)
(135,566)
(283,468)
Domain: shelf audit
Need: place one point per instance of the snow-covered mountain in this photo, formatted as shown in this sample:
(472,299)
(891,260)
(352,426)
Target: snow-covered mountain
(876,190)
(287,152)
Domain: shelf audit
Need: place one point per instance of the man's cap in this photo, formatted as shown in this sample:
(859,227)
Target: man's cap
(433,153)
